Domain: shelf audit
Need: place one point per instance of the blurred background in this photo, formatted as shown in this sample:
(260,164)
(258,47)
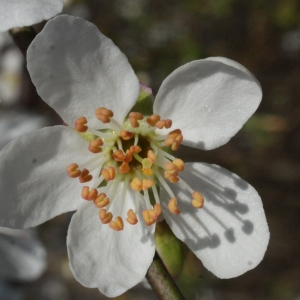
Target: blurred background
(158,37)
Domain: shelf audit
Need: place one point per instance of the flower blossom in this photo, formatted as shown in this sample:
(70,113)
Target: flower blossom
(19,13)
(117,165)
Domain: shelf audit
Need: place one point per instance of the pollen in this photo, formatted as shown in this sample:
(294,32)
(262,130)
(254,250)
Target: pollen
(101,200)
(147,172)
(135,149)
(147,218)
(152,120)
(95,146)
(80,124)
(85,176)
(103,114)
(104,216)
(109,173)
(173,208)
(164,123)
(117,225)
(134,117)
(131,217)
(136,184)
(88,194)
(126,135)
(118,155)
(198,200)
(124,168)
(72,171)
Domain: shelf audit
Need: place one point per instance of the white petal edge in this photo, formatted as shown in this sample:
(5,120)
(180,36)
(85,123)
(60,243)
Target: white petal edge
(19,13)
(209,100)
(230,233)
(34,184)
(101,257)
(76,69)
(22,255)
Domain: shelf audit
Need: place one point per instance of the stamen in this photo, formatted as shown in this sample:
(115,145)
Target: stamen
(171,169)
(131,217)
(173,208)
(164,123)
(95,146)
(152,120)
(126,135)
(109,173)
(103,114)
(80,124)
(151,156)
(146,216)
(147,183)
(174,139)
(88,194)
(124,168)
(135,149)
(128,156)
(179,164)
(105,217)
(118,155)
(117,225)
(198,200)
(85,176)
(134,117)
(155,212)
(136,184)
(101,200)
(72,171)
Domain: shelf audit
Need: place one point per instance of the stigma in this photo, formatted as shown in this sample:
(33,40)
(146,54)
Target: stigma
(136,153)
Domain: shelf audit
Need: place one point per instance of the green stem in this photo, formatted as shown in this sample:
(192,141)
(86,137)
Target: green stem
(161,281)
(23,36)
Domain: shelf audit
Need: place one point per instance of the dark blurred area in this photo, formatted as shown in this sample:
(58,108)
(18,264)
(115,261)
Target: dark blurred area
(158,37)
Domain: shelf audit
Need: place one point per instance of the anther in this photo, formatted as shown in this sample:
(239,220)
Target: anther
(124,168)
(134,117)
(173,208)
(198,200)
(72,171)
(109,173)
(88,194)
(147,183)
(85,176)
(152,120)
(126,135)
(146,171)
(136,184)
(128,156)
(174,139)
(179,164)
(103,114)
(101,200)
(131,217)
(151,156)
(155,212)
(164,123)
(80,124)
(117,225)
(105,217)
(118,155)
(147,218)
(95,146)
(171,178)
(171,168)
(135,149)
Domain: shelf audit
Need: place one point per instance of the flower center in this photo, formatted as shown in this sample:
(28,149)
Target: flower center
(137,154)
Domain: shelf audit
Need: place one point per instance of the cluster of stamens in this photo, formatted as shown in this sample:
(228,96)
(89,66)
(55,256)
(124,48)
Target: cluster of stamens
(135,154)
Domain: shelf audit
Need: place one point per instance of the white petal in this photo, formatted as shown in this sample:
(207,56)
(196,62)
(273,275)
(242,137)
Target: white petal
(76,69)
(19,13)
(101,257)
(22,256)
(209,100)
(230,233)
(34,185)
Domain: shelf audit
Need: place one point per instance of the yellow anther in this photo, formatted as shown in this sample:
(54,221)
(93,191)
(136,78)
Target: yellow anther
(151,156)
(173,208)
(135,149)
(80,124)
(118,155)
(134,117)
(147,183)
(179,164)
(128,156)
(95,146)
(126,135)
(85,176)
(101,200)
(103,114)
(88,194)
(155,212)
(117,224)
(171,168)
(174,139)
(146,163)
(124,168)
(164,123)
(171,178)
(136,184)
(198,200)
(131,217)
(72,171)
(152,120)
(109,173)
(147,172)
(147,218)
(105,217)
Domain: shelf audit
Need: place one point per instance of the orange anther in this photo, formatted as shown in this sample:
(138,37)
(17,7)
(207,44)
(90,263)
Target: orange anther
(164,123)
(152,120)
(179,164)
(147,218)
(103,114)
(118,155)
(147,183)
(171,169)
(109,173)
(85,176)
(131,217)
(95,146)
(173,208)
(126,135)
(198,200)
(101,200)
(135,149)
(171,178)
(136,184)
(80,124)
(128,156)
(72,171)
(134,117)
(175,133)
(88,194)
(105,217)
(151,156)
(124,168)
(174,139)
(155,212)
(117,224)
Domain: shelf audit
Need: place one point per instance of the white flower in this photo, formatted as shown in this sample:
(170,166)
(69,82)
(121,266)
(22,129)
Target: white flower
(19,13)
(80,72)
